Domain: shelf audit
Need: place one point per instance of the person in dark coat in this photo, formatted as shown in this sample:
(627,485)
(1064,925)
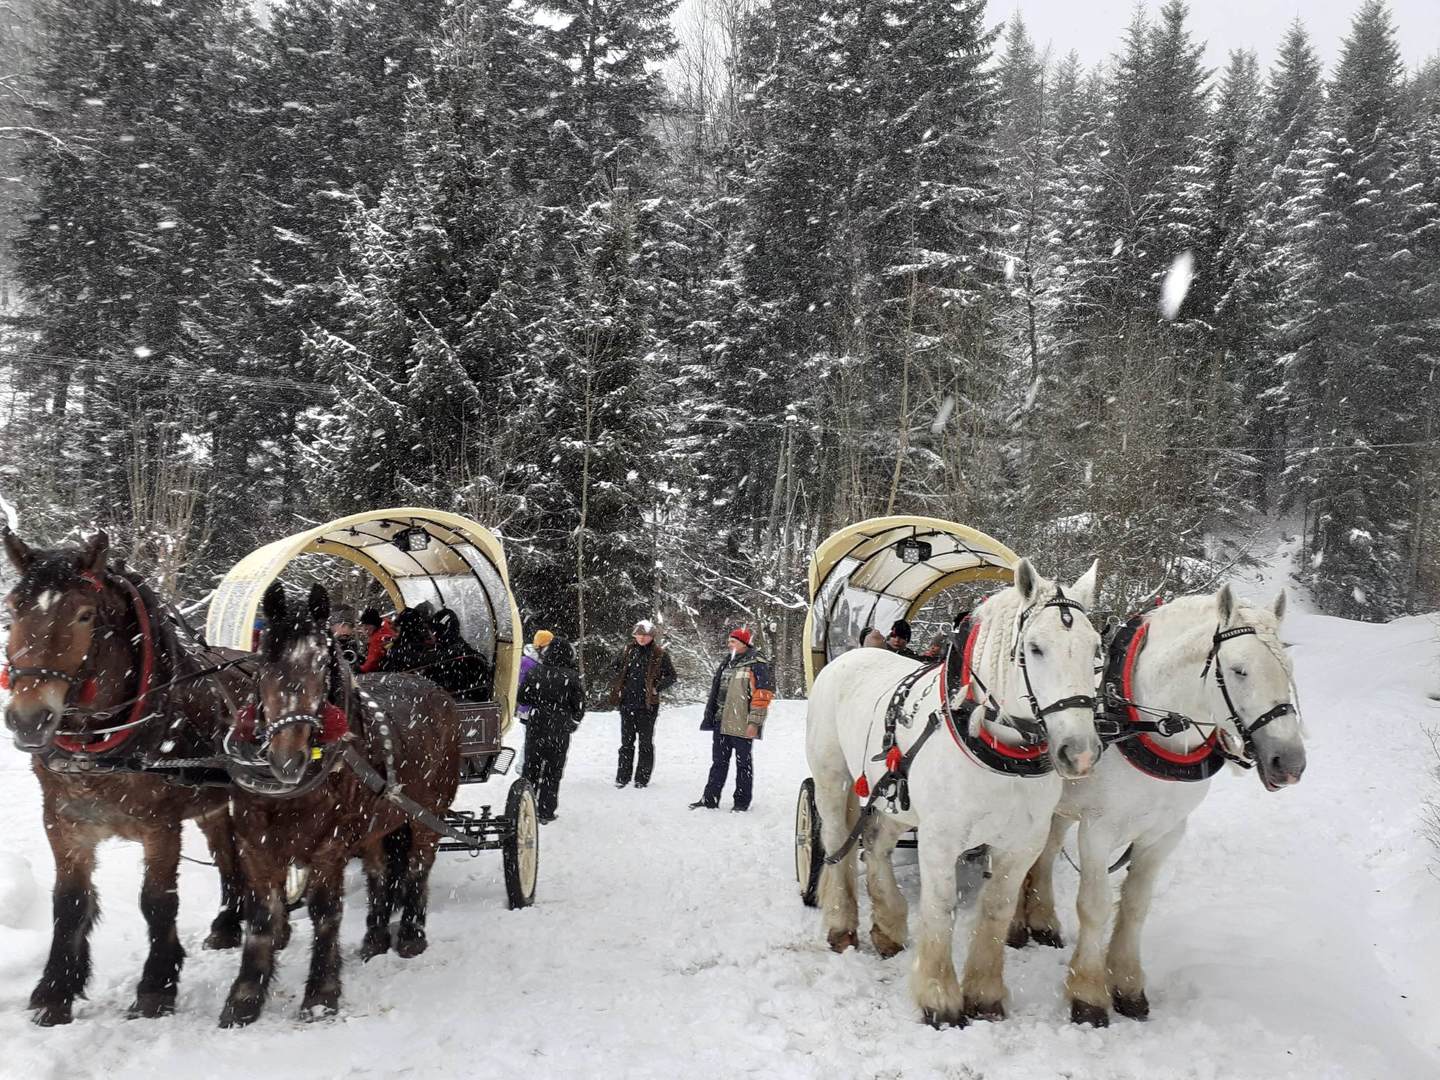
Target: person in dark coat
(458,667)
(740,697)
(413,649)
(899,640)
(642,670)
(556,696)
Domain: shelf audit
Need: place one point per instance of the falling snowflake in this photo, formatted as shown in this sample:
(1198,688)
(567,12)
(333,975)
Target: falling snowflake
(1177,284)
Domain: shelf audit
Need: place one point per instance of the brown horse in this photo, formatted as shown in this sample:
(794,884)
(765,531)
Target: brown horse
(407,728)
(87,641)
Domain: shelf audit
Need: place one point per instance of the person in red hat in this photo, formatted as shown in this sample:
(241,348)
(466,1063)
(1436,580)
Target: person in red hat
(740,696)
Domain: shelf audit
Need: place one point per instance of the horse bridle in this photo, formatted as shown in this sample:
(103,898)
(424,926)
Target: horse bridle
(1247,732)
(1033,732)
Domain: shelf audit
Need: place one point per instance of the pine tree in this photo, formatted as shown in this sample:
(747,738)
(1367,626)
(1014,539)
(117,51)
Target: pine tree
(1356,335)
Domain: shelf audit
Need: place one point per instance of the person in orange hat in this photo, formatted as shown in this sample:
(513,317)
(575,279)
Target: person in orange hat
(740,697)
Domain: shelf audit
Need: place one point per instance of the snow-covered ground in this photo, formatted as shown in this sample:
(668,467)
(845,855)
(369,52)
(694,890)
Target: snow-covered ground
(1297,935)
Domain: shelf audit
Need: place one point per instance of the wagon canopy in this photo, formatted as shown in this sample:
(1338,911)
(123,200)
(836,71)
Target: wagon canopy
(418,555)
(883,569)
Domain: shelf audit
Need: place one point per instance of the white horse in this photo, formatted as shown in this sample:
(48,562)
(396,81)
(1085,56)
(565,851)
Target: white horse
(1033,660)
(1208,658)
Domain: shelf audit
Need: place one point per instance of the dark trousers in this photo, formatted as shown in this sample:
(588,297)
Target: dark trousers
(636,722)
(720,753)
(544,765)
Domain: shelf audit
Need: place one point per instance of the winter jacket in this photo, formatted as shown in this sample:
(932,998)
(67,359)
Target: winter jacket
(414,647)
(458,667)
(641,672)
(529,661)
(740,694)
(554,691)
(379,641)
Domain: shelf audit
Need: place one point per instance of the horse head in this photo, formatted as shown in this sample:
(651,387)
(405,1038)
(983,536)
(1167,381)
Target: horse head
(294,680)
(64,649)
(1251,689)
(1052,653)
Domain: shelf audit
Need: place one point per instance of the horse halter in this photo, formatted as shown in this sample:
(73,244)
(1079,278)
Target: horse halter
(1247,733)
(70,679)
(1034,732)
(1017,654)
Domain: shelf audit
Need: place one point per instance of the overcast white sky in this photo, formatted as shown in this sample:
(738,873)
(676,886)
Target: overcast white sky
(1094,28)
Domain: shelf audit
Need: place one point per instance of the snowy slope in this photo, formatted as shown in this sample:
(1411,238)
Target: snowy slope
(1297,936)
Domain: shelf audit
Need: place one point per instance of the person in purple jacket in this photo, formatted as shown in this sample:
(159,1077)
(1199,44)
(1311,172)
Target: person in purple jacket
(529,660)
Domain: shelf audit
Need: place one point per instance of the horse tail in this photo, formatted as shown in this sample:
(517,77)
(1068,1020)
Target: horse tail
(396,846)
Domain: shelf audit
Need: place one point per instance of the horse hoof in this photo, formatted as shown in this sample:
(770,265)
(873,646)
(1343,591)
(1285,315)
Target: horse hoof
(411,944)
(1134,1006)
(1018,937)
(225,933)
(51,1015)
(884,944)
(985,1010)
(940,1018)
(840,940)
(1049,938)
(376,943)
(320,1006)
(240,1012)
(1082,1012)
(151,1006)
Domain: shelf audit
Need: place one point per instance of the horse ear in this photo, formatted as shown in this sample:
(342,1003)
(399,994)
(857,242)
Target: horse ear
(92,556)
(1083,591)
(1025,580)
(273,604)
(1225,603)
(20,554)
(319,604)
(1278,606)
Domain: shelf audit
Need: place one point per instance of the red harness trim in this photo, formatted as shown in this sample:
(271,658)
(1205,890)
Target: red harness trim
(1127,687)
(967,656)
(76,744)
(334,725)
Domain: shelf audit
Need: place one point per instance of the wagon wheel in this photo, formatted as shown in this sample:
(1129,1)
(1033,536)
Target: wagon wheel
(297,881)
(522,846)
(809,852)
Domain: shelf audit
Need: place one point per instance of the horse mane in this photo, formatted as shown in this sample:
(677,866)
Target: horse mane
(997,616)
(1201,607)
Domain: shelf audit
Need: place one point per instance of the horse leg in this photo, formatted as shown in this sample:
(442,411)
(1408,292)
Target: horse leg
(932,980)
(985,959)
(226,930)
(1087,984)
(75,907)
(325,898)
(159,903)
(887,903)
(1035,918)
(839,902)
(380,893)
(264,917)
(1127,978)
(414,893)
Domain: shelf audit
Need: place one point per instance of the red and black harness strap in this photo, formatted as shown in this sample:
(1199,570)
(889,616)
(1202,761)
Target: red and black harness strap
(1130,733)
(1030,758)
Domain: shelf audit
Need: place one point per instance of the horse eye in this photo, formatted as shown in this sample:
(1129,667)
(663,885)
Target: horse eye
(1035,650)
(86,616)
(1240,673)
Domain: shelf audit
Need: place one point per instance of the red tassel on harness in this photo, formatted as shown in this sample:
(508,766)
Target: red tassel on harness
(334,725)
(5,677)
(893,759)
(245,724)
(862,786)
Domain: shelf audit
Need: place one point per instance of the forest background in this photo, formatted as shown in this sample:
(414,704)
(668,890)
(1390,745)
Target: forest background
(665,316)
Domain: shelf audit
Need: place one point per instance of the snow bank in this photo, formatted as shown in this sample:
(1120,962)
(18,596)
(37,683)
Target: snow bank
(18,890)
